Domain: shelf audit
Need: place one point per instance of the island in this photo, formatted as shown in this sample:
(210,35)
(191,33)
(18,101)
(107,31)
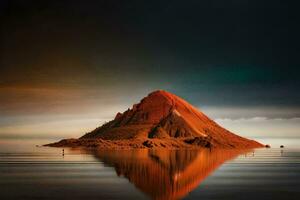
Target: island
(160,120)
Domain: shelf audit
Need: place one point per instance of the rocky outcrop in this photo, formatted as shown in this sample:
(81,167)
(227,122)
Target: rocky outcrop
(167,117)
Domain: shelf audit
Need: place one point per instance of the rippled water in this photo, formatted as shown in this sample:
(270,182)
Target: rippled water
(29,172)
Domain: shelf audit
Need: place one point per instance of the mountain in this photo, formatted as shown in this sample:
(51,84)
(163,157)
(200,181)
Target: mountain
(162,119)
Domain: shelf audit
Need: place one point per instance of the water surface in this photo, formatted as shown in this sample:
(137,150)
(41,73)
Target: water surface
(30,172)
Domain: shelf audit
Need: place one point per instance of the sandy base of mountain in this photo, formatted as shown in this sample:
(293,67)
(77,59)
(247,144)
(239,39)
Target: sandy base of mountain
(142,143)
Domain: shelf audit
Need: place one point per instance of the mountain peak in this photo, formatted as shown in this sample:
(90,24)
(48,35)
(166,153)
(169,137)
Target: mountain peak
(164,116)
(159,95)
(160,92)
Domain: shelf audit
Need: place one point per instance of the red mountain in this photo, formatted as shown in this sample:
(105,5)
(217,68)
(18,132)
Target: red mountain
(162,119)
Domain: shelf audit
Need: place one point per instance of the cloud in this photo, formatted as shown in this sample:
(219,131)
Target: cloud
(262,127)
(256,119)
(60,128)
(251,112)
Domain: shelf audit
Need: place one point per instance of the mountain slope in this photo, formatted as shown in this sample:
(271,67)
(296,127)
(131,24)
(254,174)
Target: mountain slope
(164,116)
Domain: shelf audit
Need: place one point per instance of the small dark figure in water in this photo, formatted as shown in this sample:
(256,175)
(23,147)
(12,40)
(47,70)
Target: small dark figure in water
(268,146)
(281,146)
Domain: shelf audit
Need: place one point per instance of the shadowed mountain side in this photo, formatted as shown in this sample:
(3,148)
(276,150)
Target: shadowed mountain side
(165,120)
(166,174)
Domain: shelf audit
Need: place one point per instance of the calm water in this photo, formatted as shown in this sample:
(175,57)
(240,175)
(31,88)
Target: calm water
(29,172)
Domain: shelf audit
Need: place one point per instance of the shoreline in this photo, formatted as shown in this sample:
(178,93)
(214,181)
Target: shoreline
(152,143)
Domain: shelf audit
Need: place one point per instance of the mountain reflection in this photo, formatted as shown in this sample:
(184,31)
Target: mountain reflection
(165,174)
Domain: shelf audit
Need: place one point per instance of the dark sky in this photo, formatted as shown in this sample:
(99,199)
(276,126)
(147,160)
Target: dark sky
(234,53)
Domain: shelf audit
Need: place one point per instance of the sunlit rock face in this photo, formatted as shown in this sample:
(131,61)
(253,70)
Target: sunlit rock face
(165,174)
(163,115)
